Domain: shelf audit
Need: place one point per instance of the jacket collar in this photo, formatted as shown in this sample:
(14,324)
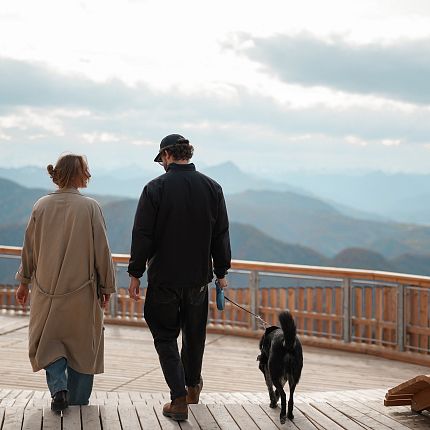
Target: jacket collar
(181,167)
(66,190)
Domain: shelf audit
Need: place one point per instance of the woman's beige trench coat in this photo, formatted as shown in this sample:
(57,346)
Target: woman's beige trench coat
(67,260)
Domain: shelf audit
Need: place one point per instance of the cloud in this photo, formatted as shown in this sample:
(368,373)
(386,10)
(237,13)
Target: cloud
(32,84)
(398,70)
(114,121)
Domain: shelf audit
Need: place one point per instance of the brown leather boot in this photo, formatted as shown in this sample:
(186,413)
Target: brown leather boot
(177,409)
(194,393)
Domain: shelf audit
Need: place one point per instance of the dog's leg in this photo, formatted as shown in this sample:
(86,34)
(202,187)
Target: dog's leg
(283,414)
(290,400)
(269,383)
(277,394)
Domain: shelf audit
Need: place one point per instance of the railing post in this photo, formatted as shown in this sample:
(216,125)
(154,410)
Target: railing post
(347,322)
(400,317)
(253,292)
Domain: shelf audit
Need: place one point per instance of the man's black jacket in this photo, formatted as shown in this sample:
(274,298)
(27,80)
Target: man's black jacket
(181,224)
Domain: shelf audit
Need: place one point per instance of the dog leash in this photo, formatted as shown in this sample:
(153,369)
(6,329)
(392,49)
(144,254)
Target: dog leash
(257,317)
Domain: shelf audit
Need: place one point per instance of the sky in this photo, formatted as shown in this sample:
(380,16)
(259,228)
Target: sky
(273,86)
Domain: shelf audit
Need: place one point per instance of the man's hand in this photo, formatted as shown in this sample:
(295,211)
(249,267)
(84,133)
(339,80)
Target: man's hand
(133,289)
(222,283)
(22,294)
(105,300)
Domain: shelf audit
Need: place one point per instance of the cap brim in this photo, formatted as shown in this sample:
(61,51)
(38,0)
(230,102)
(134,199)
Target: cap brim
(157,159)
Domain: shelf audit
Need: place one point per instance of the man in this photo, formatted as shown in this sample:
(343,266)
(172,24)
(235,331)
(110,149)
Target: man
(180,226)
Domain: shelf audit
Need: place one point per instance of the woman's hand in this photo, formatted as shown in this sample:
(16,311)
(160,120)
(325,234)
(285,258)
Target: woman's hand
(22,294)
(105,300)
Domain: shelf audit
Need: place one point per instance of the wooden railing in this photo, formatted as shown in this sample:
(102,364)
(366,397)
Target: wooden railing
(380,313)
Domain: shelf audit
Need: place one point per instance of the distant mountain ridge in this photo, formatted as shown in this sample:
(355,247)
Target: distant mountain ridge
(129,182)
(377,196)
(278,212)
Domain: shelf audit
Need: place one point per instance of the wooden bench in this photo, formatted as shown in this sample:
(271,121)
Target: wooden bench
(415,392)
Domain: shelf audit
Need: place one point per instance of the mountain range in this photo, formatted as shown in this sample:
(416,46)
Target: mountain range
(275,226)
(376,196)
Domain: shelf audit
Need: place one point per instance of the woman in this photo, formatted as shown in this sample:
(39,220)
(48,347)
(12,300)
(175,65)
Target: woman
(66,258)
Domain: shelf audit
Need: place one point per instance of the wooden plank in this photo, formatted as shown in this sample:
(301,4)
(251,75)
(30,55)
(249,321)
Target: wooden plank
(135,396)
(368,302)
(109,417)
(51,420)
(291,300)
(128,417)
(190,424)
(222,417)
(319,309)
(361,415)
(260,417)
(274,416)
(4,393)
(124,398)
(337,416)
(358,312)
(378,315)
(339,312)
(301,307)
(363,408)
(424,319)
(413,317)
(13,418)
(165,423)
(402,415)
(264,304)
(421,400)
(90,417)
(274,306)
(148,418)
(112,398)
(72,418)
(310,322)
(283,300)
(301,422)
(247,300)
(401,401)
(412,385)
(204,418)
(317,418)
(241,417)
(390,312)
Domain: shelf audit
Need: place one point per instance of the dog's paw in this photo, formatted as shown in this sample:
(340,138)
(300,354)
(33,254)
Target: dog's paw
(273,404)
(290,416)
(283,419)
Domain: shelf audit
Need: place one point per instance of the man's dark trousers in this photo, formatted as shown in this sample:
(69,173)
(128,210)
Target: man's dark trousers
(168,310)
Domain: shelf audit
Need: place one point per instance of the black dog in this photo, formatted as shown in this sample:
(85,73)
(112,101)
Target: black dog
(281,360)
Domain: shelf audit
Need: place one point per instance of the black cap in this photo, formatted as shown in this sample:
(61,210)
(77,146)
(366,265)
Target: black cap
(169,141)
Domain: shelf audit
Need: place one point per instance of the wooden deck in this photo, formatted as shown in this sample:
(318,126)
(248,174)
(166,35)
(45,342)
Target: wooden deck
(347,410)
(338,390)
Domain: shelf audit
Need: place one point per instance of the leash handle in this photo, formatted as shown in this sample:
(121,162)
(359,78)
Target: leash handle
(220,302)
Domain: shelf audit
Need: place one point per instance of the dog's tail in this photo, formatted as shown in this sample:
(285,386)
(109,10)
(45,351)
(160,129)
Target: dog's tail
(289,328)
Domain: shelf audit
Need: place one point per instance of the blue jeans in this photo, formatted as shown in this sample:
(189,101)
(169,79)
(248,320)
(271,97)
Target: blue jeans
(60,376)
